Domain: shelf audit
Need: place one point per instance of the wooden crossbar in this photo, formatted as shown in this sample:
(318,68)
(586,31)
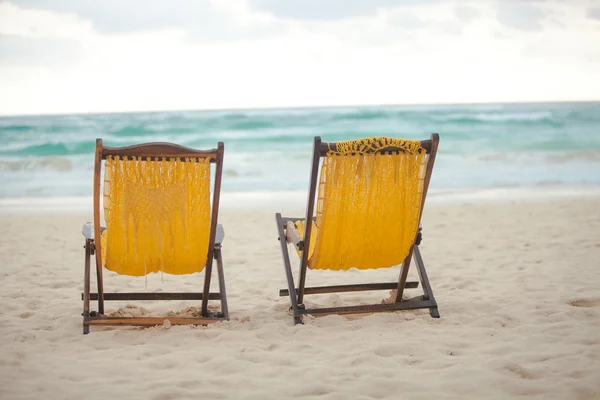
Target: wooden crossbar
(149,321)
(404,305)
(158,149)
(351,288)
(153,296)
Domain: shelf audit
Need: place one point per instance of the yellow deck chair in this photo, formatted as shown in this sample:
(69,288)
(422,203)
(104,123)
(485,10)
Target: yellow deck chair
(158,219)
(370,198)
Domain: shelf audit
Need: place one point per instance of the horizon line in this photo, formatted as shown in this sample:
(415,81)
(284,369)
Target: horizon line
(275,108)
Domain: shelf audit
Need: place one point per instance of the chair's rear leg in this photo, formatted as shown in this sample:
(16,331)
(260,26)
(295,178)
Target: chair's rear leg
(86,286)
(427,292)
(100,282)
(403,276)
(288,270)
(221,276)
(206,290)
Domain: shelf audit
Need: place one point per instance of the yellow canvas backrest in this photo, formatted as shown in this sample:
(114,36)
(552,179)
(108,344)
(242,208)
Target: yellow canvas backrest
(368,205)
(157,215)
(157,207)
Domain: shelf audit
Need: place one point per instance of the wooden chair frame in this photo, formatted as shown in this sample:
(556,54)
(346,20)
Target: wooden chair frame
(92,247)
(288,234)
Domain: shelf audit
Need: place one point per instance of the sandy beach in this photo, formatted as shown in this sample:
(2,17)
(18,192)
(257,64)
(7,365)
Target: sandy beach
(511,224)
(516,282)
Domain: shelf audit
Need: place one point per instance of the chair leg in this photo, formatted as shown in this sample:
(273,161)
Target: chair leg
(206,290)
(221,276)
(100,282)
(403,276)
(86,286)
(288,271)
(425,285)
(298,320)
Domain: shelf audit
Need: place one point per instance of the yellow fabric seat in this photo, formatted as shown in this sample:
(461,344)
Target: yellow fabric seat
(368,205)
(157,215)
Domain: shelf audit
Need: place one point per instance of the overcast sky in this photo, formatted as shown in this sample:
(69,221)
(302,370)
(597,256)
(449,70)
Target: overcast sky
(72,56)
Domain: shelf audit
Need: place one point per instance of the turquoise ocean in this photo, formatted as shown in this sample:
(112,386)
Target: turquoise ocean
(482,146)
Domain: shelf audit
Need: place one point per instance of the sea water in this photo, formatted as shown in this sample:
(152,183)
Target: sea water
(487,148)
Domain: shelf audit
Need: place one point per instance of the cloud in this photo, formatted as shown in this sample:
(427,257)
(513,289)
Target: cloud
(407,21)
(199,19)
(34,23)
(114,16)
(594,13)
(431,19)
(136,56)
(520,16)
(18,50)
(466,14)
(327,10)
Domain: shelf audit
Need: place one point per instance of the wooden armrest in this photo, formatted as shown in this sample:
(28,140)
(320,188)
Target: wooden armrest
(292,236)
(88,230)
(220,235)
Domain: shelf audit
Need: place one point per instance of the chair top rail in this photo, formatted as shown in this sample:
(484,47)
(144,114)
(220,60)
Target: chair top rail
(158,149)
(325,147)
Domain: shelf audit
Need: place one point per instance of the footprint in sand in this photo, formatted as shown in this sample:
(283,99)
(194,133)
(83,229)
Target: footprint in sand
(584,302)
(520,372)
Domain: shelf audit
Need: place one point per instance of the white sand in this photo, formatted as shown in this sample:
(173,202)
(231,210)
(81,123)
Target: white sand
(518,285)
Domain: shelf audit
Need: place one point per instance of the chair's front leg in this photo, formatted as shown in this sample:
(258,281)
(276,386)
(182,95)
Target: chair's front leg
(86,285)
(218,254)
(403,275)
(288,269)
(425,285)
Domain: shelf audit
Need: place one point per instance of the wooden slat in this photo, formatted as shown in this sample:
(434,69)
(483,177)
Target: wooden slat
(157,149)
(326,147)
(150,321)
(154,296)
(404,305)
(351,288)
